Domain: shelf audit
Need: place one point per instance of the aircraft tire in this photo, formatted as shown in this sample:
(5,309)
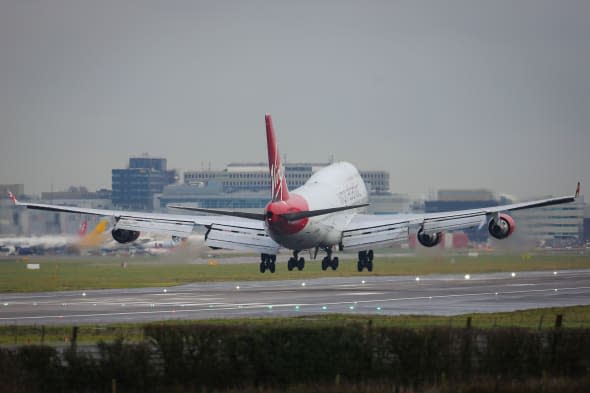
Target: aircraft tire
(301,263)
(370,255)
(370,266)
(290,264)
(272,267)
(359,266)
(325,264)
(262,267)
(335,263)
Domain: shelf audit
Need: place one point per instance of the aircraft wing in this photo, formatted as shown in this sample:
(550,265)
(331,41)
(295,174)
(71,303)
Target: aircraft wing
(234,233)
(367,230)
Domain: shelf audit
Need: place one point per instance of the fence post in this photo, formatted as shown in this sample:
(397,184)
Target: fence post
(558,321)
(540,322)
(74,337)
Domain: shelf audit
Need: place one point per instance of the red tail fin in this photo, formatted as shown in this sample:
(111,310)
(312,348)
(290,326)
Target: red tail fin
(280,192)
(12,197)
(83,228)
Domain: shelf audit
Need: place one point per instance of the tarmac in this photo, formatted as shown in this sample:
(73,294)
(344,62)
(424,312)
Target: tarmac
(386,295)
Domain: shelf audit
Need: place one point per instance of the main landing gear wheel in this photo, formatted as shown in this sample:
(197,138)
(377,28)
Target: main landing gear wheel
(335,263)
(295,263)
(267,261)
(365,260)
(328,261)
(301,263)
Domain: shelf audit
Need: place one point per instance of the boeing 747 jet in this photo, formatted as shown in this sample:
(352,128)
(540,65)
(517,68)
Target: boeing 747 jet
(325,214)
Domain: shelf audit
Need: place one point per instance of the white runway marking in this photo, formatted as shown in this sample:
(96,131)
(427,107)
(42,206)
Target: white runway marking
(361,293)
(249,306)
(435,294)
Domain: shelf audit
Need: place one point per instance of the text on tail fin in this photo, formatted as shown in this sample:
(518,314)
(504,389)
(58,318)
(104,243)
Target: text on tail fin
(279,189)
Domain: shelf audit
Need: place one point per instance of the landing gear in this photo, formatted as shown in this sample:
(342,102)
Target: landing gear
(267,261)
(328,261)
(296,263)
(365,260)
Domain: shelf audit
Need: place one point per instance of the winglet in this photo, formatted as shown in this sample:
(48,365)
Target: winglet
(12,198)
(279,189)
(577,191)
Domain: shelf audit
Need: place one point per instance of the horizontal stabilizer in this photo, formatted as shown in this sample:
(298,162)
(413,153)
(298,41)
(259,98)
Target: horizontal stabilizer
(313,213)
(231,213)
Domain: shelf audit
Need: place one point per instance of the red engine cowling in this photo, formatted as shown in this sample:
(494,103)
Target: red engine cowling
(428,239)
(124,235)
(503,228)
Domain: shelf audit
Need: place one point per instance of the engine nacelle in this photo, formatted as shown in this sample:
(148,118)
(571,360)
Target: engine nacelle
(429,239)
(124,235)
(503,228)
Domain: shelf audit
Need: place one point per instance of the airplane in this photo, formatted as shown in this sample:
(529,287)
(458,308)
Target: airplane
(70,243)
(326,213)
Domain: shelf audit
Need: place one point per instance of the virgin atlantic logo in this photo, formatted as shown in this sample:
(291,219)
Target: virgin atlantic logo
(277,175)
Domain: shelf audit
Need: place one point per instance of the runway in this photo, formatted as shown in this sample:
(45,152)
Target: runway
(388,295)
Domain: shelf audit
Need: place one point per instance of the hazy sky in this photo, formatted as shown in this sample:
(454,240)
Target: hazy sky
(453,94)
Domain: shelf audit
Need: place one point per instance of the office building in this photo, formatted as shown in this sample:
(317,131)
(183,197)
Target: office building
(246,186)
(135,187)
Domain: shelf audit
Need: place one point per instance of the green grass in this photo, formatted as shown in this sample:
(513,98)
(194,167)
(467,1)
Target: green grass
(95,273)
(573,317)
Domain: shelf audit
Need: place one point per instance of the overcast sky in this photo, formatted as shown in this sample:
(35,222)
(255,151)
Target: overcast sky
(453,94)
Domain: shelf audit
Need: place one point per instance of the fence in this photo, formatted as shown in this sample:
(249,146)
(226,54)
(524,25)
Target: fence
(209,357)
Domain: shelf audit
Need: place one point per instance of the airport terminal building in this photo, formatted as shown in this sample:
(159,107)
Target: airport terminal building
(254,177)
(247,186)
(29,222)
(551,226)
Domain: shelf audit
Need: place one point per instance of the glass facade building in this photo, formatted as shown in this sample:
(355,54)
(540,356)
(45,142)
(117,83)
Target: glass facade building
(254,177)
(135,187)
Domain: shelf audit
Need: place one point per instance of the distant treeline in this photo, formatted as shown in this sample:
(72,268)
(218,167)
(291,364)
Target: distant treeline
(353,357)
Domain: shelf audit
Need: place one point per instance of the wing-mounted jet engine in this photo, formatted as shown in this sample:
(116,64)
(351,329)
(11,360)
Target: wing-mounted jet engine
(502,227)
(429,239)
(124,235)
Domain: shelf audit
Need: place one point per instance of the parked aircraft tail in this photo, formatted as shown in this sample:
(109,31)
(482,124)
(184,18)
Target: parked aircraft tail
(96,237)
(83,228)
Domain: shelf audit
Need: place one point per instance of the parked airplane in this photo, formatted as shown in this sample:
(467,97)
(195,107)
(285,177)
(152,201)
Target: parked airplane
(55,243)
(323,214)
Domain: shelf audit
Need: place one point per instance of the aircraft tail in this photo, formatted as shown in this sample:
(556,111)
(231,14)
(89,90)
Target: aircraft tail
(279,189)
(83,228)
(95,237)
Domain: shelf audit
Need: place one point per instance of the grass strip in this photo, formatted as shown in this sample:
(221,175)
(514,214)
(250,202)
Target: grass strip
(542,318)
(77,274)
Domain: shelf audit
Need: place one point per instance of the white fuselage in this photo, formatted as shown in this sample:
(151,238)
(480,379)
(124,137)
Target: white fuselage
(337,185)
